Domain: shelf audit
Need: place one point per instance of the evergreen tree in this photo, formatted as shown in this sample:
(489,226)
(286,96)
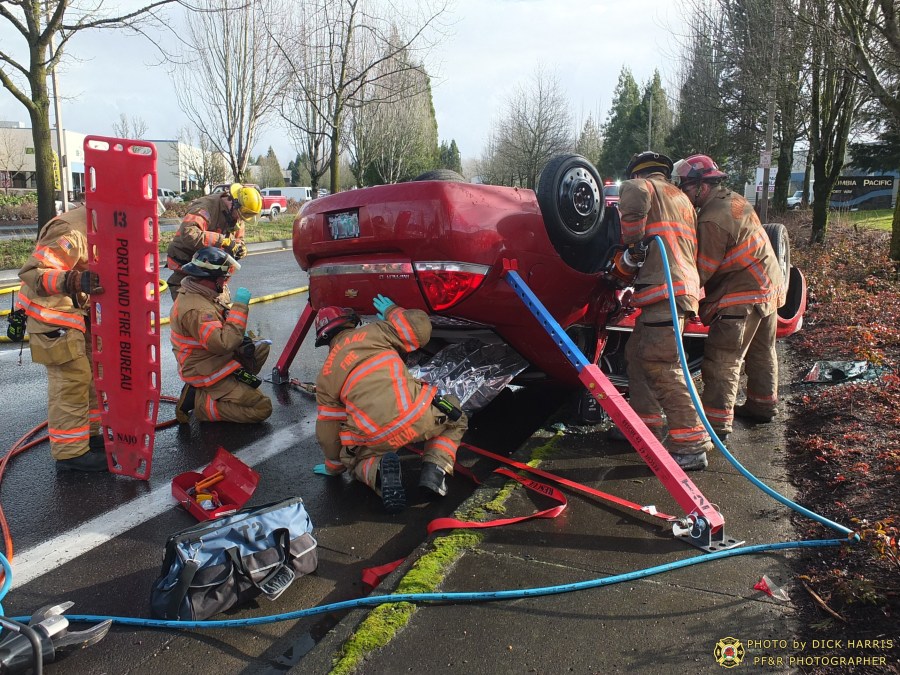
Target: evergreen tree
(590,141)
(618,146)
(449,156)
(651,121)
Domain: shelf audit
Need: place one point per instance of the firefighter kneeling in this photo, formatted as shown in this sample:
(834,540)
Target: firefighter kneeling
(216,360)
(370,405)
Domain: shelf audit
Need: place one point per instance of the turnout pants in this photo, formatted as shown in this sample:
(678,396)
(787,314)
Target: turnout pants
(656,384)
(442,437)
(734,342)
(73,414)
(229,400)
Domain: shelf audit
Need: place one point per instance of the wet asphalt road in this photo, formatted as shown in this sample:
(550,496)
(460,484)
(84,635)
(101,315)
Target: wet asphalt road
(98,540)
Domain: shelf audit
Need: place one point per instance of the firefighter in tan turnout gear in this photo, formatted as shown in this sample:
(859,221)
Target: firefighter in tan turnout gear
(55,294)
(649,205)
(744,288)
(214,220)
(217,361)
(370,405)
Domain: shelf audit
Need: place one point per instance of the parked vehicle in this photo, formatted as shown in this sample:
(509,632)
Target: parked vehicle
(273,204)
(611,194)
(795,201)
(298,194)
(168,195)
(441,246)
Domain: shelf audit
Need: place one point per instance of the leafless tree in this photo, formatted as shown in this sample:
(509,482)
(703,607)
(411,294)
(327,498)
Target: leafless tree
(45,28)
(133,128)
(343,50)
(361,138)
(535,125)
(202,159)
(231,78)
(12,157)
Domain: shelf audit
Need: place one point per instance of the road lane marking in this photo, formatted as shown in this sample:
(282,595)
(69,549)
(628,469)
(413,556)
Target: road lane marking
(37,561)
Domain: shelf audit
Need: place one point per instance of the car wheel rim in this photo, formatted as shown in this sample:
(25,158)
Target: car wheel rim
(579,195)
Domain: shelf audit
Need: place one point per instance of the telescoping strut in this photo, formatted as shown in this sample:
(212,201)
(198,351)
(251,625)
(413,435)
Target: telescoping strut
(703,525)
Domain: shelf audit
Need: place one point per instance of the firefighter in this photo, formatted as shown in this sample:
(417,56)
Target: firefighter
(214,220)
(217,361)
(649,205)
(55,294)
(370,405)
(744,288)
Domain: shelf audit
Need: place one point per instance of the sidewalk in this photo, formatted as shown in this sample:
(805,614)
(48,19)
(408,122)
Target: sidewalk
(667,623)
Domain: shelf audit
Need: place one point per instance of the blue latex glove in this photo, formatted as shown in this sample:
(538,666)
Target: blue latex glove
(242,295)
(382,304)
(322,470)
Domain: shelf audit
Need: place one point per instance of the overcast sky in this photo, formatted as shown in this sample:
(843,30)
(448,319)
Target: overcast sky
(492,46)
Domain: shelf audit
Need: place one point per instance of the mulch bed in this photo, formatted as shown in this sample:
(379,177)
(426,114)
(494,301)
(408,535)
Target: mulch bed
(844,441)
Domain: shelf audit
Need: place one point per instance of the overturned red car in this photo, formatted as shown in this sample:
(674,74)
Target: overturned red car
(438,244)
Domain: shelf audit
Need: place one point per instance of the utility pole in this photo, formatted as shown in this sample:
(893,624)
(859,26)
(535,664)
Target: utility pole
(650,124)
(766,158)
(60,135)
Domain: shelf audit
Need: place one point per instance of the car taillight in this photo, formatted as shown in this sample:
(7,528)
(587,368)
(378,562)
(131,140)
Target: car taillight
(446,284)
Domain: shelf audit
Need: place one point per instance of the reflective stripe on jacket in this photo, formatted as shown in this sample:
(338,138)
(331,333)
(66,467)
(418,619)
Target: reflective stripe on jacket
(365,393)
(735,260)
(62,247)
(654,206)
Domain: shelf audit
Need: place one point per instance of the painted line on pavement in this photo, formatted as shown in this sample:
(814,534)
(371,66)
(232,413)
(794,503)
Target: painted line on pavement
(37,561)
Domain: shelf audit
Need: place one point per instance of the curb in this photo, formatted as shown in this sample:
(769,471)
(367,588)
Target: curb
(321,658)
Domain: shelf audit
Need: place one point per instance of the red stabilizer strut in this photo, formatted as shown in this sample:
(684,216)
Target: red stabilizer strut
(672,476)
(304,323)
(123,244)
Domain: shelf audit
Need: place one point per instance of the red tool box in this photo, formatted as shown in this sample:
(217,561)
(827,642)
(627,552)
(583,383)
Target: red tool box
(219,489)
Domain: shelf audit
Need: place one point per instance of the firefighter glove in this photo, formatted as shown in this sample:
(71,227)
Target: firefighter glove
(242,295)
(382,304)
(84,282)
(234,247)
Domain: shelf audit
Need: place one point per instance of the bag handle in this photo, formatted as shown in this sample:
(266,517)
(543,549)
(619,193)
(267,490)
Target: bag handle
(179,591)
(281,576)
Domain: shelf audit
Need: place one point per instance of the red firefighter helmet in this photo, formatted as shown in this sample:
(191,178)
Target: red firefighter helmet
(694,168)
(331,320)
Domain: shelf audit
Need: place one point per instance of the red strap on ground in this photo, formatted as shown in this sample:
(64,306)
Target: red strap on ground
(543,488)
(568,483)
(123,245)
(372,576)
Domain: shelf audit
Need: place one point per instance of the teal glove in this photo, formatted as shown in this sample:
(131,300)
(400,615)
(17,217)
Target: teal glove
(322,470)
(242,295)
(382,304)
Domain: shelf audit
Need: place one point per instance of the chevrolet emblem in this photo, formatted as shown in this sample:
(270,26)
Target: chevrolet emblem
(351,293)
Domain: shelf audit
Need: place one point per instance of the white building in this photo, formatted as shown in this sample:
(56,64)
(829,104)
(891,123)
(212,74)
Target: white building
(17,157)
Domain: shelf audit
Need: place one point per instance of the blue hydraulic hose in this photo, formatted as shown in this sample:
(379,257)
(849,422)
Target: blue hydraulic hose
(481,596)
(712,434)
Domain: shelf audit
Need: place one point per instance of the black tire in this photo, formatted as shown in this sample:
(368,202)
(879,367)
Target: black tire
(571,199)
(274,212)
(781,244)
(441,174)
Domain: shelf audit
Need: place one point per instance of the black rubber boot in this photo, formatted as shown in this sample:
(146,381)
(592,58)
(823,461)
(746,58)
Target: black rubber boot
(185,404)
(95,443)
(433,481)
(392,495)
(93,461)
(747,412)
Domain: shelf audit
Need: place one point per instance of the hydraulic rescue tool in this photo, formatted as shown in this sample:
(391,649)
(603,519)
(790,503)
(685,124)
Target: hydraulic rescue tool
(703,526)
(17,651)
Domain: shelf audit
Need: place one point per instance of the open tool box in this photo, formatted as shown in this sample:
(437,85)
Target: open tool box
(219,489)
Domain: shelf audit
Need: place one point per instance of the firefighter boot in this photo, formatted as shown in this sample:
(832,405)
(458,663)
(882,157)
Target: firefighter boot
(93,461)
(185,404)
(389,481)
(691,462)
(747,411)
(433,481)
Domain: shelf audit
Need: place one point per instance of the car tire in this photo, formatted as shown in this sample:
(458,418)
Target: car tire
(441,174)
(274,212)
(571,199)
(778,237)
